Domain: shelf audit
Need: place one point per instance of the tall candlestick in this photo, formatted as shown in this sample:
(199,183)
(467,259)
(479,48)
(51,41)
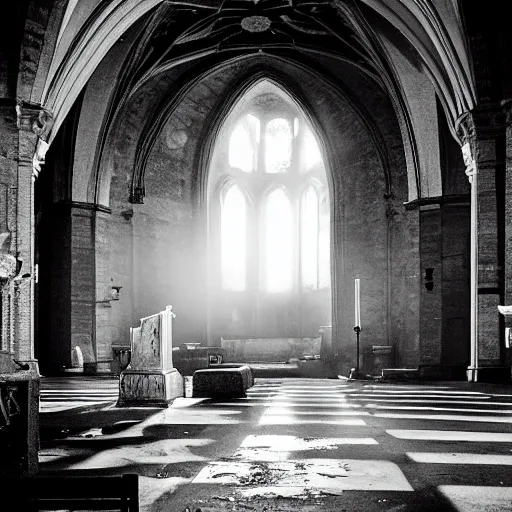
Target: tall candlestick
(357,322)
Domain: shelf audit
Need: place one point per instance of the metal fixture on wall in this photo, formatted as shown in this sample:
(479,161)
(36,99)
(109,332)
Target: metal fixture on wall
(112,295)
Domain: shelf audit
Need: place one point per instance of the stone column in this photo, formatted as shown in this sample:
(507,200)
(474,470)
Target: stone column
(482,133)
(507,108)
(34,125)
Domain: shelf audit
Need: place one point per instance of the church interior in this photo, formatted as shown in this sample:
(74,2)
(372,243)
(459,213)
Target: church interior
(288,175)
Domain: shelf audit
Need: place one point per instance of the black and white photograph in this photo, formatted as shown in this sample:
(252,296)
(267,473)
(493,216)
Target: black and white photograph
(255,256)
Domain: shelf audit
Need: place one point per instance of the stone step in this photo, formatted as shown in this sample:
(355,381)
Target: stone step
(400,374)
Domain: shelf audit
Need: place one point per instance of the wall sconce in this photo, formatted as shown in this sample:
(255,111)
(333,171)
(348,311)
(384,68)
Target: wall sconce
(429,279)
(112,295)
(114,292)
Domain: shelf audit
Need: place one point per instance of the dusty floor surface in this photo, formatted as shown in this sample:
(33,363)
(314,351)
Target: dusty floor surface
(293,444)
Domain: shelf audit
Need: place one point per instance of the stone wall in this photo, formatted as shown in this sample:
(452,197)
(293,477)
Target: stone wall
(162,243)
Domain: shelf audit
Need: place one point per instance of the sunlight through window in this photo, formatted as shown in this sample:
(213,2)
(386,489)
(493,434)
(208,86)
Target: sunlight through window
(241,150)
(324,243)
(278,242)
(278,146)
(233,239)
(309,238)
(311,154)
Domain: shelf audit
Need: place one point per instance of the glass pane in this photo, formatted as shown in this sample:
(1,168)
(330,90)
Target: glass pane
(278,242)
(233,239)
(324,245)
(241,149)
(278,145)
(253,125)
(309,238)
(311,154)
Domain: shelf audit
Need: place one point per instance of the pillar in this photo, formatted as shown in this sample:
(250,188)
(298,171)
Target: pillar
(482,134)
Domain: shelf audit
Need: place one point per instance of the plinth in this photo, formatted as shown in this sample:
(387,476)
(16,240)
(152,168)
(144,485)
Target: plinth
(150,379)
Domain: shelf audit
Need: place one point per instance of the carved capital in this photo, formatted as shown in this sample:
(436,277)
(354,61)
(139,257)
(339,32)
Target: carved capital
(466,129)
(34,118)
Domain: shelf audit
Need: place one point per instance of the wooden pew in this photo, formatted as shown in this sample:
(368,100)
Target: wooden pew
(75,493)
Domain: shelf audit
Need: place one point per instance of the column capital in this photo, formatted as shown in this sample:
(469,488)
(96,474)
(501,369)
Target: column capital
(36,122)
(465,128)
(34,118)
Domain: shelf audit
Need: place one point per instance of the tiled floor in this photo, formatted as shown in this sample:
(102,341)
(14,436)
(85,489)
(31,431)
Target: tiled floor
(309,445)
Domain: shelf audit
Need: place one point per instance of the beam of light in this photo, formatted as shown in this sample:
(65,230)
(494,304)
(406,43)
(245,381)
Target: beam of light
(445,417)
(402,386)
(460,458)
(309,238)
(406,401)
(448,409)
(433,391)
(287,420)
(328,475)
(325,413)
(278,242)
(451,435)
(369,396)
(477,498)
(287,443)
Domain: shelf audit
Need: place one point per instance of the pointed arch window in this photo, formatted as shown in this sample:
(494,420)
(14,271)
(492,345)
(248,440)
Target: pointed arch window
(278,242)
(234,239)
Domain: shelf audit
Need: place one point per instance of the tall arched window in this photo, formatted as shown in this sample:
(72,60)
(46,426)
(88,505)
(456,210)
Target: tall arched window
(234,239)
(278,242)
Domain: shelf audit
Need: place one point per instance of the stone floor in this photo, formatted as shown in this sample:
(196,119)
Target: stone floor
(293,444)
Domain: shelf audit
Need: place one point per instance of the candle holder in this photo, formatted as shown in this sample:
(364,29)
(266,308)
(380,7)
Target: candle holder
(354,372)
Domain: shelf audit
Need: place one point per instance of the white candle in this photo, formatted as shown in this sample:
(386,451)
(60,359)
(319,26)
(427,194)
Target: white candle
(357,322)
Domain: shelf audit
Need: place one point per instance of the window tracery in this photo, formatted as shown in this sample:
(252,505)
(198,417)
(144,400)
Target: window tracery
(280,240)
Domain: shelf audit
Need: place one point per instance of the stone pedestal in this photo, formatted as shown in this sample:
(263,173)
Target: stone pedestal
(150,379)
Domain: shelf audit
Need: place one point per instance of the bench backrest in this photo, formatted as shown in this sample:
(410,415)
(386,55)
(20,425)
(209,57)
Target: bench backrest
(79,493)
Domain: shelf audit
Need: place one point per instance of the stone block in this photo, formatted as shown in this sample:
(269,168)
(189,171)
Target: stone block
(149,388)
(222,382)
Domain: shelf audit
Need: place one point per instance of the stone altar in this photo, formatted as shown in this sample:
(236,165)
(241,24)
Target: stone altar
(150,379)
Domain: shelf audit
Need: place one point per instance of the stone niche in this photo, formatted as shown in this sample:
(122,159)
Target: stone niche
(150,379)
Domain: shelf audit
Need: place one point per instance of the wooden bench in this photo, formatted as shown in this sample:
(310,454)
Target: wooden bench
(227,382)
(75,493)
